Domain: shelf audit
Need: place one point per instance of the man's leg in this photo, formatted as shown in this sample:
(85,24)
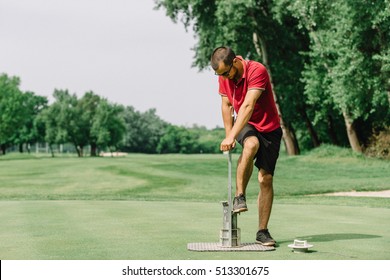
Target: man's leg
(244,172)
(267,161)
(264,202)
(265,198)
(245,164)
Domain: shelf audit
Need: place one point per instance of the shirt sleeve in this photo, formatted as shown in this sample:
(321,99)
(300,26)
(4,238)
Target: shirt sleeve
(222,87)
(258,77)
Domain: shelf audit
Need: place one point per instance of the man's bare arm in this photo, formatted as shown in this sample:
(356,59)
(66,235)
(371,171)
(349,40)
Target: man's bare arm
(243,116)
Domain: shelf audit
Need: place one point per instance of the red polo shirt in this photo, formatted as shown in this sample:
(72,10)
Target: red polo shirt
(265,116)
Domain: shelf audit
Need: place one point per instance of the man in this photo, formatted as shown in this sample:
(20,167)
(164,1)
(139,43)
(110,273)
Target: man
(246,92)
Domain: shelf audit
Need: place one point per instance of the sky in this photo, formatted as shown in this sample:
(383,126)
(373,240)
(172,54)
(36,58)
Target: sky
(123,50)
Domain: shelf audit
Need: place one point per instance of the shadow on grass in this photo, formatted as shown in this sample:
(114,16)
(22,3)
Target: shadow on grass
(332,237)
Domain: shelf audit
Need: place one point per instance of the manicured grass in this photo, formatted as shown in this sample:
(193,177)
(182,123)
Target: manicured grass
(179,177)
(151,206)
(161,230)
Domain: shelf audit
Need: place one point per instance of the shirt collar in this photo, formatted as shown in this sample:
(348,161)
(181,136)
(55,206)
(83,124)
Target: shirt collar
(244,68)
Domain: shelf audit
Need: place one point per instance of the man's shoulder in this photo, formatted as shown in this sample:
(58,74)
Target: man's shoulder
(256,69)
(256,65)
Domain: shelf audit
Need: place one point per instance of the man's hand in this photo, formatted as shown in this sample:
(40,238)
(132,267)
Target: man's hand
(228,144)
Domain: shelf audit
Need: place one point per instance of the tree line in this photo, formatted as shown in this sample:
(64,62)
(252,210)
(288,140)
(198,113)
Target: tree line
(27,118)
(329,61)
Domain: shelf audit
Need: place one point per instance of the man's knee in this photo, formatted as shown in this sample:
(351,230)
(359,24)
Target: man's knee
(265,179)
(251,145)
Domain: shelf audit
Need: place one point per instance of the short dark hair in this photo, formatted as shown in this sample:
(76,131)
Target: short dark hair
(224,54)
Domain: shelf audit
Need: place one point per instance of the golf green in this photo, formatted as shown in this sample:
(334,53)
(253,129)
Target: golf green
(114,230)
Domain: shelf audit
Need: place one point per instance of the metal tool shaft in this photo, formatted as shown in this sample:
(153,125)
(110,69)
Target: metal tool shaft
(230,202)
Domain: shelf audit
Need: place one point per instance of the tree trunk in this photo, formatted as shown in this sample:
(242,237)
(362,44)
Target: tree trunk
(313,134)
(352,135)
(294,139)
(81,149)
(51,150)
(93,150)
(77,149)
(3,149)
(288,137)
(332,131)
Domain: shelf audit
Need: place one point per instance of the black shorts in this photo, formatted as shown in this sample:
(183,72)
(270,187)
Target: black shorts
(268,152)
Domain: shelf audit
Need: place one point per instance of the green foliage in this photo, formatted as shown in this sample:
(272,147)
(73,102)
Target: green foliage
(17,113)
(89,120)
(108,126)
(92,120)
(143,130)
(343,75)
(178,140)
(64,122)
(10,111)
(209,140)
(32,105)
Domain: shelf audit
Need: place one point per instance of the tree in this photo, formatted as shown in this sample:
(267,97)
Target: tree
(45,124)
(87,107)
(178,140)
(108,126)
(11,111)
(88,120)
(346,38)
(64,122)
(143,130)
(31,105)
(208,141)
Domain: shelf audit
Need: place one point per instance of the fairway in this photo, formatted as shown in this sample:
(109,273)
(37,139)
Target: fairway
(150,206)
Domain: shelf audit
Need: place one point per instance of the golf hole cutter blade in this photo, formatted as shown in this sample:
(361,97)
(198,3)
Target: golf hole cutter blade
(230,236)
